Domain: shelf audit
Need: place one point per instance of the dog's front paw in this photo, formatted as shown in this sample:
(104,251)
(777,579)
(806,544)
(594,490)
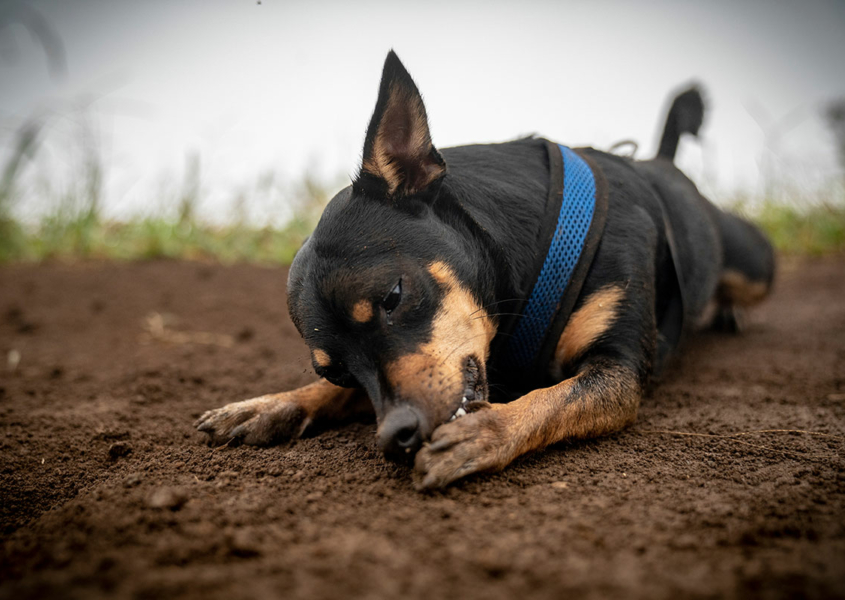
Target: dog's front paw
(263,421)
(473,443)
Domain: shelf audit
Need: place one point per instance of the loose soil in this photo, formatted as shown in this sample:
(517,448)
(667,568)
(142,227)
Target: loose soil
(107,491)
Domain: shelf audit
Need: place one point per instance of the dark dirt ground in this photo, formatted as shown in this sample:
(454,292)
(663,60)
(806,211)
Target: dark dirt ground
(107,491)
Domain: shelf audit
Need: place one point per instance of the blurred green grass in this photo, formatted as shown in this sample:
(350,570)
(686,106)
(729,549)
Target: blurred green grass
(149,238)
(798,221)
(817,229)
(76,230)
(69,234)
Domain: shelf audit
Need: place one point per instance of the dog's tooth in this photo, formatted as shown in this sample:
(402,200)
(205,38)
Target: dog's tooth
(464,400)
(460,412)
(453,417)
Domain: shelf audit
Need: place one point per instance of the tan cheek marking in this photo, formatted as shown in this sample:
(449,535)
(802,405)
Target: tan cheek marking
(460,328)
(588,323)
(736,288)
(321,358)
(362,311)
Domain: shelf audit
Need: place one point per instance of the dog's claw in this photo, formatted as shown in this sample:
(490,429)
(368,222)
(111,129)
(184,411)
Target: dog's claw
(427,484)
(442,444)
(237,432)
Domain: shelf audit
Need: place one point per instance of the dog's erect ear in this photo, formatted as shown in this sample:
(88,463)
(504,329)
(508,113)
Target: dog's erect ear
(399,158)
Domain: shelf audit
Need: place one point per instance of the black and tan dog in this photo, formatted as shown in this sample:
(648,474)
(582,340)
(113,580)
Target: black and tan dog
(417,276)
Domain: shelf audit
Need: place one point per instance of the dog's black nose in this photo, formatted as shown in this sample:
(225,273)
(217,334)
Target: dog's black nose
(400,434)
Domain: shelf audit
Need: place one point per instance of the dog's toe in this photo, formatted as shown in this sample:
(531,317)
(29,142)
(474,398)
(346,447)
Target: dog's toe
(459,448)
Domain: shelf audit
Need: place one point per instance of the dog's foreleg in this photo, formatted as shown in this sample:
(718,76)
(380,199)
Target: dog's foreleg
(276,418)
(602,398)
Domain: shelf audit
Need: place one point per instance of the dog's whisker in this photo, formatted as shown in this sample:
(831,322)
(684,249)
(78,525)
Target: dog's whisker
(503,314)
(494,303)
(441,362)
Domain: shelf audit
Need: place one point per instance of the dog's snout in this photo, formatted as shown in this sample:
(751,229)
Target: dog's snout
(401,433)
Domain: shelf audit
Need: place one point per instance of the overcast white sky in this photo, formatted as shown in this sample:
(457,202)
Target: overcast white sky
(290,86)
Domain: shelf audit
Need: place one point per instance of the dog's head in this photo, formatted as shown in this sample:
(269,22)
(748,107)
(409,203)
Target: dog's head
(388,292)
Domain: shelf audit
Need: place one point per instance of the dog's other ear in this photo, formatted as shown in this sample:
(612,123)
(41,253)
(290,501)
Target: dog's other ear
(399,158)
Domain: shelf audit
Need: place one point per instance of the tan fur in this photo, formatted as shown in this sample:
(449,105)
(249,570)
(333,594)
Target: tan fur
(321,357)
(362,311)
(442,273)
(735,288)
(321,398)
(312,398)
(570,410)
(280,417)
(381,163)
(434,374)
(585,326)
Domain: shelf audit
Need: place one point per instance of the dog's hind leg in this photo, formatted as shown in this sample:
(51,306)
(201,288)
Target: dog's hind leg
(277,418)
(748,268)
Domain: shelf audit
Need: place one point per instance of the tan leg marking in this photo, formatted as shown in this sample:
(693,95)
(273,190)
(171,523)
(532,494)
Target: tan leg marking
(433,376)
(321,357)
(735,288)
(585,326)
(277,418)
(362,311)
(598,401)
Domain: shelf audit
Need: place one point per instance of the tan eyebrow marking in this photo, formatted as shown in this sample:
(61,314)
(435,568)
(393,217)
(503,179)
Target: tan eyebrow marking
(442,273)
(362,311)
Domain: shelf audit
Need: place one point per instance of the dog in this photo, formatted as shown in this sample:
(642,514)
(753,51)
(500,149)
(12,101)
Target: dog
(486,301)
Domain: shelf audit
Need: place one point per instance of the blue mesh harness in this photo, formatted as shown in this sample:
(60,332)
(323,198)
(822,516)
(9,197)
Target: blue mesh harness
(580,222)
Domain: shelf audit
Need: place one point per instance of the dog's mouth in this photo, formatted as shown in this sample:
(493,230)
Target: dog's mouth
(475,389)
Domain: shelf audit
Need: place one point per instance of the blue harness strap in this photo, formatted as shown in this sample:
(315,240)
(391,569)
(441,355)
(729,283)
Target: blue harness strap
(544,305)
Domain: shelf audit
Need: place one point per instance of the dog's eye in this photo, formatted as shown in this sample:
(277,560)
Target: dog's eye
(391,301)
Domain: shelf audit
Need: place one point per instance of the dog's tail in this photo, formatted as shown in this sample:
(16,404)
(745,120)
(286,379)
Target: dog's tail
(685,116)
